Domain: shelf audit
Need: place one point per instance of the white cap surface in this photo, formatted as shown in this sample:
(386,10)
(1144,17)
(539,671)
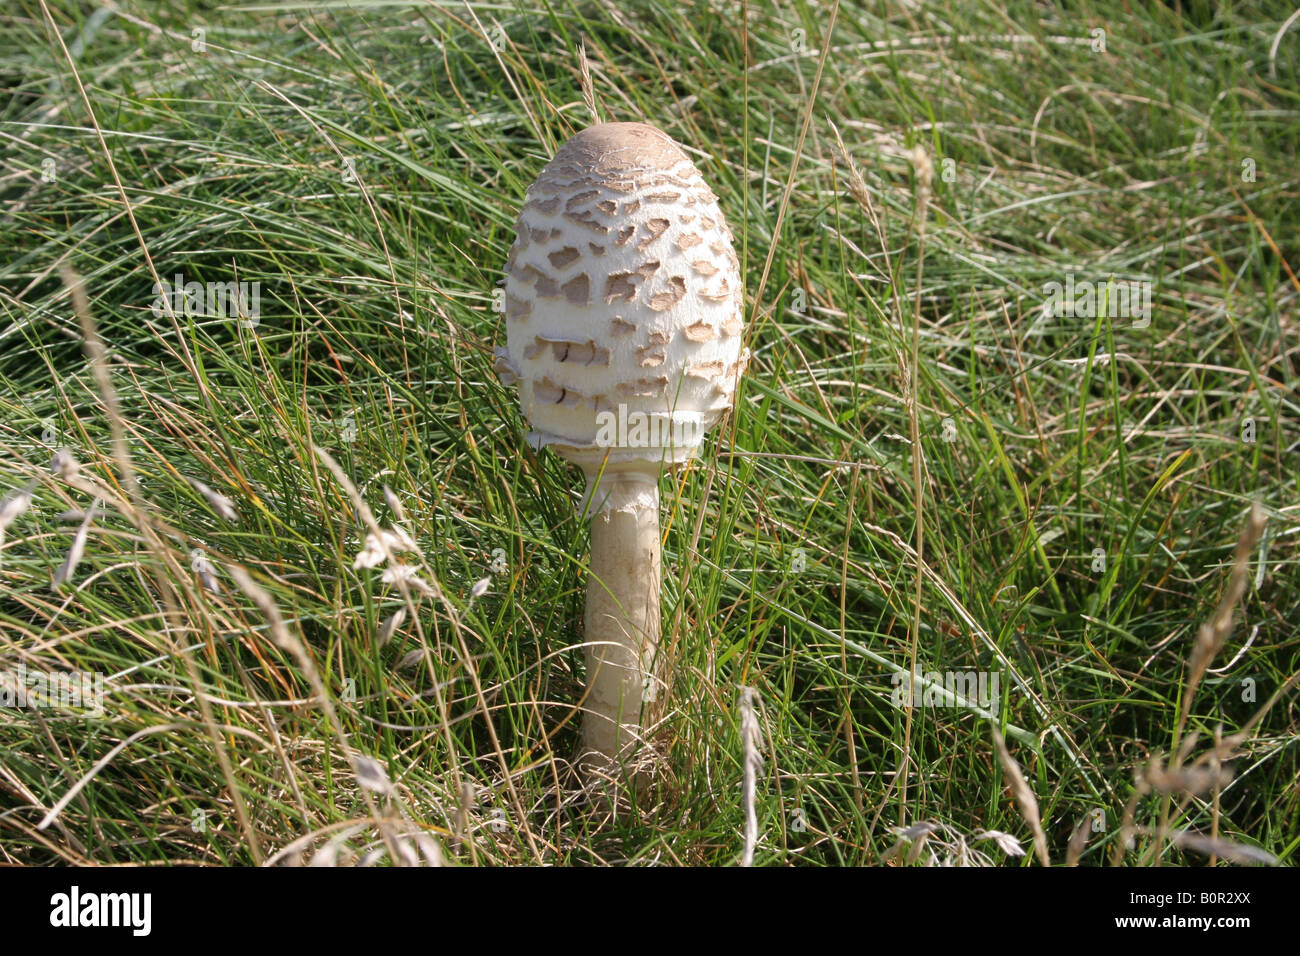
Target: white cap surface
(624,310)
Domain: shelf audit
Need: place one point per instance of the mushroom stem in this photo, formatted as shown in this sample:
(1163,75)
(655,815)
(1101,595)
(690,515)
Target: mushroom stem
(622,619)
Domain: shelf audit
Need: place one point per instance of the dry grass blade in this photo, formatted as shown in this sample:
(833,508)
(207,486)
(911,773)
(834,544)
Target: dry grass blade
(1212,635)
(1024,797)
(94,348)
(52,815)
(219,503)
(372,775)
(751,736)
(134,506)
(394,504)
(430,849)
(390,626)
(462,813)
(64,465)
(911,389)
(69,567)
(1227,849)
(1210,638)
(794,165)
(1190,780)
(12,508)
(286,641)
(1078,841)
(280,635)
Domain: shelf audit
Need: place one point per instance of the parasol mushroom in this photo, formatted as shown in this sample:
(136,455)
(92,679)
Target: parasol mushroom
(624,319)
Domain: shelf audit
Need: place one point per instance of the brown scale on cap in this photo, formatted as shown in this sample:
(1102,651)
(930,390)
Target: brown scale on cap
(517,308)
(649,357)
(654,229)
(578,289)
(563,258)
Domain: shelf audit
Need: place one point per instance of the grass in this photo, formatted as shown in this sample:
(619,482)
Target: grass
(1078,488)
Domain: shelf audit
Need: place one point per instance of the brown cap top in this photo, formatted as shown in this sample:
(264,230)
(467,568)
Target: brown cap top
(614,147)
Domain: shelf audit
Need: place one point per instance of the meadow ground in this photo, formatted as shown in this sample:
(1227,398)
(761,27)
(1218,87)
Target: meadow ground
(959,450)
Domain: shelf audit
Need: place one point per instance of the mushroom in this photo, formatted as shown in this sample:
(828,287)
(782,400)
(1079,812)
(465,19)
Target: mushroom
(624,319)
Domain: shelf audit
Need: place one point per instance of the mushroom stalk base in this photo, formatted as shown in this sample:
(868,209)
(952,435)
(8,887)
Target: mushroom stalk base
(622,621)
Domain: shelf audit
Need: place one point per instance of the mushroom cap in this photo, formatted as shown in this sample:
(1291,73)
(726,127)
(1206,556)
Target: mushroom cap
(624,308)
